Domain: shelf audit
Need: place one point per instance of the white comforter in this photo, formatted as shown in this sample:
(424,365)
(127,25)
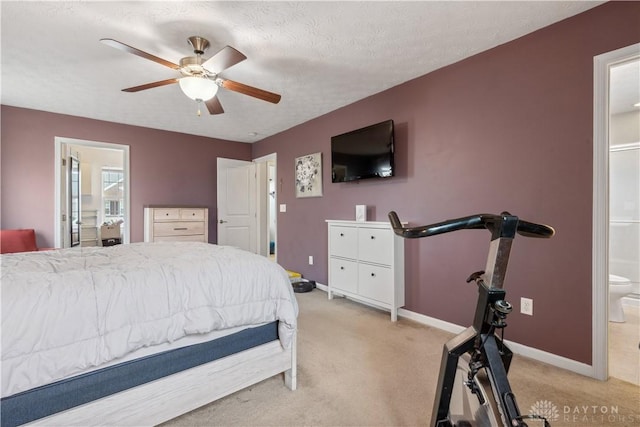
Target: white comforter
(65,311)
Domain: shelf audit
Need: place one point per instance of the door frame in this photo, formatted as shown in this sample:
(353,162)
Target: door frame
(600,221)
(74,159)
(57,215)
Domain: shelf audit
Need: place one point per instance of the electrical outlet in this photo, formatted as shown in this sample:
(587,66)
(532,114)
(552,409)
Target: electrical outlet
(310,260)
(526,306)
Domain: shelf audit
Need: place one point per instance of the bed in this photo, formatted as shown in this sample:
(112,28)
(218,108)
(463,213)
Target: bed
(138,334)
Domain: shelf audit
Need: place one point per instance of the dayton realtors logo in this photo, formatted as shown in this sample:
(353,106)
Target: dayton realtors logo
(583,414)
(545,409)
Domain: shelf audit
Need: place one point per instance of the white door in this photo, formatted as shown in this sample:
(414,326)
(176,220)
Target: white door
(237,204)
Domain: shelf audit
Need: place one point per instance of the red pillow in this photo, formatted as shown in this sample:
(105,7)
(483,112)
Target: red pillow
(17,241)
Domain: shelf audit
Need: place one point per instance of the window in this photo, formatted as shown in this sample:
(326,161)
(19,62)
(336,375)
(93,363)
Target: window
(113,194)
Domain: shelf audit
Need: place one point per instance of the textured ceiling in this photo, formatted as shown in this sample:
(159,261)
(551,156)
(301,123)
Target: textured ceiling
(318,55)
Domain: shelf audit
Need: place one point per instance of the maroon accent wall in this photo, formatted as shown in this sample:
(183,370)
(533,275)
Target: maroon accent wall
(507,129)
(166,167)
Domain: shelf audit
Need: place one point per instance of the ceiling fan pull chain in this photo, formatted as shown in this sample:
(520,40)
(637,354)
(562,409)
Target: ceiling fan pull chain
(199,102)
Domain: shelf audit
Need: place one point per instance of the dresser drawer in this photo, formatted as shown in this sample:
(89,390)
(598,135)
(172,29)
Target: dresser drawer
(192,214)
(343,275)
(168,214)
(182,228)
(375,245)
(375,282)
(343,241)
(192,238)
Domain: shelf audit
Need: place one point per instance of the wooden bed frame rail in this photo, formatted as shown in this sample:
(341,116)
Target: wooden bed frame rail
(169,397)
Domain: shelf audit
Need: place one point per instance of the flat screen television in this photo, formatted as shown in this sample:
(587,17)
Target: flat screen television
(363,153)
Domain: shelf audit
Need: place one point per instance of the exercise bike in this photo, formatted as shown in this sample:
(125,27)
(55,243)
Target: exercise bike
(473,389)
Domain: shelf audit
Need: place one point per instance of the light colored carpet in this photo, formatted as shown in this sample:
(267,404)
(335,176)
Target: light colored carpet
(356,368)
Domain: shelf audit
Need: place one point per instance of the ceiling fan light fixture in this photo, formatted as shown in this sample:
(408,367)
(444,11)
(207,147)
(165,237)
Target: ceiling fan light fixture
(198,88)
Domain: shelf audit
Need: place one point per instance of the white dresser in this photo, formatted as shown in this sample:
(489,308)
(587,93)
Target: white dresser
(366,263)
(176,224)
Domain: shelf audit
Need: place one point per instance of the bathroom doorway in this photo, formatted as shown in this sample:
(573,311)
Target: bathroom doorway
(267,205)
(616,214)
(624,221)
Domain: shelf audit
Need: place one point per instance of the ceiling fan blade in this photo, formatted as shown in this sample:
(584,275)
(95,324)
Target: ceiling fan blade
(227,57)
(251,91)
(150,85)
(214,106)
(140,53)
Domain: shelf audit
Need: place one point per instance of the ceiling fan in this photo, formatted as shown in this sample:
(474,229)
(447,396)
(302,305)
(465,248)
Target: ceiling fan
(200,77)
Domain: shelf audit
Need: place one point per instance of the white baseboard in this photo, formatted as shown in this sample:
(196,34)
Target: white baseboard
(523,350)
(322,287)
(431,321)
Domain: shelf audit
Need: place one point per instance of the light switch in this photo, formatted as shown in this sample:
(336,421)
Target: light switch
(283,208)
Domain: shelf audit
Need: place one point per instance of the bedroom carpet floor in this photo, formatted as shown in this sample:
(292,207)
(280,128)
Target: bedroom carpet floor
(356,368)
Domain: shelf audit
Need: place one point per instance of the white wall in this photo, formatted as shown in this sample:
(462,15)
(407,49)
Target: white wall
(625,128)
(624,197)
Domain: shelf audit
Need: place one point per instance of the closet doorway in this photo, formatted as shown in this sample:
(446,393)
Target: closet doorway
(100,194)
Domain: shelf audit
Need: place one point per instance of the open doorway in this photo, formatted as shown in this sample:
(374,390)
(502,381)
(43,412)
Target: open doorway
(612,91)
(267,205)
(101,192)
(624,220)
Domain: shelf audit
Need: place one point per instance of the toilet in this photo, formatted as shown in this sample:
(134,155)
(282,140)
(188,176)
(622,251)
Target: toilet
(619,287)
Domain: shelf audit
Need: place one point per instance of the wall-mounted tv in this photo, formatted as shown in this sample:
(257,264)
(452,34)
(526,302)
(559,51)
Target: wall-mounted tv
(363,153)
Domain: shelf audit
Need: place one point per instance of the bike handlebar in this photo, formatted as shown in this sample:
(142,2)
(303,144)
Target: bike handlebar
(488,221)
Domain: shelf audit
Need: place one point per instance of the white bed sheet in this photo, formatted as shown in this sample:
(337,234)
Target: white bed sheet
(70,311)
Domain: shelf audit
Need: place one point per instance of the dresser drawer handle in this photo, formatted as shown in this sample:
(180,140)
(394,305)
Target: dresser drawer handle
(373,274)
(341,234)
(373,237)
(180,229)
(341,268)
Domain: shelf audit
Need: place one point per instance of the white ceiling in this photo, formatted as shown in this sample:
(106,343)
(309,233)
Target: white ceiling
(624,87)
(318,55)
